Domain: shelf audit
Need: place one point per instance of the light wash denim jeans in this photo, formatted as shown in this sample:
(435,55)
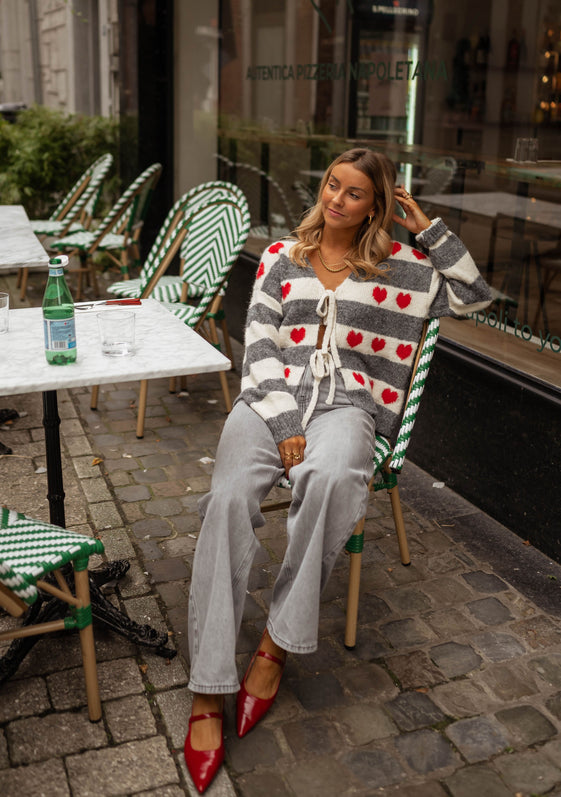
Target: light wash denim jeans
(329,496)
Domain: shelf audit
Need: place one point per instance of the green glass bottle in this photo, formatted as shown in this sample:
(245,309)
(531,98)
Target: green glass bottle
(58,316)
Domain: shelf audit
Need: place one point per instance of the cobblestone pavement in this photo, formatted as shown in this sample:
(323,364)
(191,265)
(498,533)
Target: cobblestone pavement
(454,687)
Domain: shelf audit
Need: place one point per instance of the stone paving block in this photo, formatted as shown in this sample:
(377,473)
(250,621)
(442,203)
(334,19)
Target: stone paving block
(462,698)
(553,750)
(117,678)
(318,777)
(125,769)
(22,698)
(175,709)
(263,750)
(133,492)
(165,673)
(145,610)
(449,622)
(406,575)
(548,668)
(530,772)
(149,476)
(426,751)
(308,736)
(367,680)
(159,460)
(455,659)
(496,646)
(149,550)
(478,738)
(505,683)
(477,781)
(30,780)
(414,670)
(429,789)
(317,692)
(373,768)
(553,705)
(163,570)
(117,544)
(96,490)
(326,657)
(446,590)
(77,446)
(105,515)
(526,725)
(4,759)
(52,736)
(163,791)
(70,427)
(407,633)
(538,632)
(490,611)
(151,527)
(484,582)
(129,718)
(364,723)
(408,599)
(414,710)
(372,608)
(173,593)
(268,782)
(181,546)
(84,468)
(135,582)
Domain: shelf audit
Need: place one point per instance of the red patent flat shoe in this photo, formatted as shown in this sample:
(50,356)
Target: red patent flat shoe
(203,764)
(250,709)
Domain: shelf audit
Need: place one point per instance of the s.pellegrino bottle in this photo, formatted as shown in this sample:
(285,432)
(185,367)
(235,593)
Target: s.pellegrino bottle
(58,316)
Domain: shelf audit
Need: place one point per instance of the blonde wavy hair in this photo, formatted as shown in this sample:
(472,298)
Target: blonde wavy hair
(372,242)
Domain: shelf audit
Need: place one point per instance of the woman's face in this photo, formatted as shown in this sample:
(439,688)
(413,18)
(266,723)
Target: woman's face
(347,199)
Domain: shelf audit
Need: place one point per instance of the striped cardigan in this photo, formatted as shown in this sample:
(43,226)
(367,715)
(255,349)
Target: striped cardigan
(372,331)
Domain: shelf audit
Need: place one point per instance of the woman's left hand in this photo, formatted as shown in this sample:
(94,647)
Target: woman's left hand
(415,220)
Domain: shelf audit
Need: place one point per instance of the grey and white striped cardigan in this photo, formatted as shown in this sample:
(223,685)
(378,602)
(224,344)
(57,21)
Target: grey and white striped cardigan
(372,327)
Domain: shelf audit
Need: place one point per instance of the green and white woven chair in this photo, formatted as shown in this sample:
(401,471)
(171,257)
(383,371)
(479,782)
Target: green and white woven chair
(30,551)
(388,462)
(217,231)
(74,212)
(118,233)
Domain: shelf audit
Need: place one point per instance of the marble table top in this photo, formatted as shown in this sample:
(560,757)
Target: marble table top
(19,246)
(165,346)
(537,211)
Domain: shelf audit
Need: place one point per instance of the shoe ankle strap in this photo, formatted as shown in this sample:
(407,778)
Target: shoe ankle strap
(270,657)
(216,715)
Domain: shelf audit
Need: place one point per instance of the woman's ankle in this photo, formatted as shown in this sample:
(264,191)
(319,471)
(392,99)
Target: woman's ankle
(206,704)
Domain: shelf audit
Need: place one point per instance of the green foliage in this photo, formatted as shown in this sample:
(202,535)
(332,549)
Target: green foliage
(44,153)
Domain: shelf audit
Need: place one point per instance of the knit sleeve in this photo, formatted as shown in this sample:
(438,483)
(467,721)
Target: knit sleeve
(263,386)
(459,287)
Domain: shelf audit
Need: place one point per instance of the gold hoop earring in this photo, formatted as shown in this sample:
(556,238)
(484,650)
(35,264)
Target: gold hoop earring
(370,219)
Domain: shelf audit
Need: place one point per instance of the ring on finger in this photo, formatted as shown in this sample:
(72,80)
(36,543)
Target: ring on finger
(296,456)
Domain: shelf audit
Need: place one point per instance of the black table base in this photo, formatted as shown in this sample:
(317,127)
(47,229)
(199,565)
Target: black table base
(48,608)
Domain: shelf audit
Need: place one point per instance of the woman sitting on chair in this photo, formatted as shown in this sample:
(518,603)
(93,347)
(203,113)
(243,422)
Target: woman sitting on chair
(332,330)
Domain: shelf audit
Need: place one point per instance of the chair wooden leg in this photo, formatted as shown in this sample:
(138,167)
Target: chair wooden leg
(141,408)
(399,526)
(88,648)
(353,590)
(23,275)
(171,387)
(227,342)
(221,374)
(94,397)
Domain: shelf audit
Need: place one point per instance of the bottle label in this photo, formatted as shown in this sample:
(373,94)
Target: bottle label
(60,334)
(56,271)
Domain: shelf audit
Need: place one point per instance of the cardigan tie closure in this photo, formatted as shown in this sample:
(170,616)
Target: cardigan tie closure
(324,361)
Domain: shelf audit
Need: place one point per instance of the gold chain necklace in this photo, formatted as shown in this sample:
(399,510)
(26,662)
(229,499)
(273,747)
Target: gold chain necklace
(330,268)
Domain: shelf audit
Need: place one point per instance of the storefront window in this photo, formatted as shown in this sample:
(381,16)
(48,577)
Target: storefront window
(465,97)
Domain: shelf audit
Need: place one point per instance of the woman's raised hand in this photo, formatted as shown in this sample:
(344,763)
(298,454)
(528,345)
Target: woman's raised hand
(415,220)
(291,451)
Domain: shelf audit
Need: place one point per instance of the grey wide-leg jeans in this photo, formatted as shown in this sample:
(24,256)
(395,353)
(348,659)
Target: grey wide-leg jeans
(329,496)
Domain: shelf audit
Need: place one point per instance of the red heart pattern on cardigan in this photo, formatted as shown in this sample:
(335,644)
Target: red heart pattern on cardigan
(396,247)
(403,351)
(298,335)
(379,294)
(359,378)
(354,338)
(403,300)
(419,255)
(275,248)
(260,270)
(286,373)
(285,289)
(389,396)
(378,344)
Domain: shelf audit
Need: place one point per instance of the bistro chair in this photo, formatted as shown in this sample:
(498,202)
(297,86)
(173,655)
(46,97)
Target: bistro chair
(217,231)
(33,556)
(388,463)
(74,212)
(118,233)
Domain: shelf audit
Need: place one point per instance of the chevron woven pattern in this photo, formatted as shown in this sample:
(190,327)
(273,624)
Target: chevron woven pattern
(30,548)
(413,401)
(64,218)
